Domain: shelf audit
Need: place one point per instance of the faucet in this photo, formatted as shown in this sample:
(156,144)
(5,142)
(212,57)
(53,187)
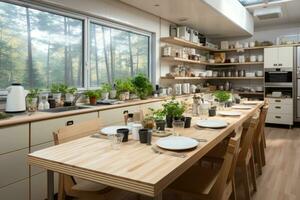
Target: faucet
(77,96)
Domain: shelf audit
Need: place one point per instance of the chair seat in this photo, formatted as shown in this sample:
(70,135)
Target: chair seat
(197,180)
(89,186)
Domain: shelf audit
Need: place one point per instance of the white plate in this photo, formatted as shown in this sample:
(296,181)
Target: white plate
(250,103)
(177,143)
(230,113)
(212,123)
(242,107)
(112,129)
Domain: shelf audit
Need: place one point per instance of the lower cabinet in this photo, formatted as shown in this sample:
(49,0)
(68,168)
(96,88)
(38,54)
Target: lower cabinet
(42,131)
(13,167)
(280,111)
(16,191)
(38,186)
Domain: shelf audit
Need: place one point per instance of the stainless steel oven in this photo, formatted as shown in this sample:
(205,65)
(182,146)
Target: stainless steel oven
(279,77)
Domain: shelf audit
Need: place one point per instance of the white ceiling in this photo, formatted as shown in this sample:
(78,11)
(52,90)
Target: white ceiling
(199,15)
(291,15)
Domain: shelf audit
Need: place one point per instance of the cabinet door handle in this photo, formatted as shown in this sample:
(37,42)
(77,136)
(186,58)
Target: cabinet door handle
(278,107)
(279,64)
(278,117)
(274,64)
(277,100)
(69,123)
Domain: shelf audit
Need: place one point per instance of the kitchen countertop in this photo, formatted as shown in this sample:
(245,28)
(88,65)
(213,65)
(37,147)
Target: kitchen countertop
(39,116)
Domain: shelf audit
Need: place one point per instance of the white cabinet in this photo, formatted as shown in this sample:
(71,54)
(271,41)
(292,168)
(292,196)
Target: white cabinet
(278,57)
(280,111)
(114,116)
(16,191)
(14,138)
(38,185)
(13,167)
(154,105)
(42,132)
(285,57)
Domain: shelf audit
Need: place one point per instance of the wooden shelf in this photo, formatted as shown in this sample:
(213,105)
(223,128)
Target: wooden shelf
(212,78)
(184,43)
(249,93)
(175,59)
(228,64)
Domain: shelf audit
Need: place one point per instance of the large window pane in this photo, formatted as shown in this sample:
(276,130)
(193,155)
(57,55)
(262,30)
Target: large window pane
(116,54)
(39,48)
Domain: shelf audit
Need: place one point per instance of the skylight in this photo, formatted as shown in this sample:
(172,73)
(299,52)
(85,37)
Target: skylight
(253,2)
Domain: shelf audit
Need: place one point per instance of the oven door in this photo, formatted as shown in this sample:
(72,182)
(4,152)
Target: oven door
(279,78)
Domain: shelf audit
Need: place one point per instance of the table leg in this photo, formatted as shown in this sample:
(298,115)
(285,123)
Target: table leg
(158,197)
(50,184)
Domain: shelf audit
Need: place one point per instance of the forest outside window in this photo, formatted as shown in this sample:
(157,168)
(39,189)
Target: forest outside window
(116,54)
(38,48)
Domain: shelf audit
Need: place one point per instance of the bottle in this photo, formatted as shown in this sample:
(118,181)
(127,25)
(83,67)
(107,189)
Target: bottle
(41,106)
(46,105)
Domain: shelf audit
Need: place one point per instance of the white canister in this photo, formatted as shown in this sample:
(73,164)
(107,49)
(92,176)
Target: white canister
(253,58)
(135,131)
(260,58)
(193,88)
(177,89)
(170,91)
(252,44)
(237,45)
(241,59)
(186,88)
(246,45)
(232,60)
(209,73)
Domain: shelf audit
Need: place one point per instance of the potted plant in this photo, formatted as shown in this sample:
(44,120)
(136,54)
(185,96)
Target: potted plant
(32,99)
(142,86)
(105,89)
(93,95)
(174,111)
(222,97)
(159,117)
(148,122)
(56,92)
(69,95)
(124,87)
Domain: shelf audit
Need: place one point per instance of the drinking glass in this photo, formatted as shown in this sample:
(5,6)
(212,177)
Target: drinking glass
(116,140)
(178,126)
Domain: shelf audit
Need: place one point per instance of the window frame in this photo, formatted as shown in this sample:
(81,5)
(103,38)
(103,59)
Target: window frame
(113,25)
(87,20)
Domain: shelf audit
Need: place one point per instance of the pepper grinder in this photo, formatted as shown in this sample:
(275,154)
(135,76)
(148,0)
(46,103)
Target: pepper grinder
(196,104)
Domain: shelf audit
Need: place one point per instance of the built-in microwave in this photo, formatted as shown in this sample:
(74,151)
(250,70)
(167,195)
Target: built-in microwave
(279,77)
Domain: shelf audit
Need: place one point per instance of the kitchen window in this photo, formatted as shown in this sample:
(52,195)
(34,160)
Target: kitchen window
(42,45)
(116,54)
(38,48)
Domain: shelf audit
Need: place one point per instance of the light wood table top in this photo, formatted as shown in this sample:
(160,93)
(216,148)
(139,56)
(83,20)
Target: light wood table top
(135,167)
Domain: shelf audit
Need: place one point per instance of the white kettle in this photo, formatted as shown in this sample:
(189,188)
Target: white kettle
(16,96)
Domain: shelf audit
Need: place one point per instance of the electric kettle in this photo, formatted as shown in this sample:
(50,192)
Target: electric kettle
(16,96)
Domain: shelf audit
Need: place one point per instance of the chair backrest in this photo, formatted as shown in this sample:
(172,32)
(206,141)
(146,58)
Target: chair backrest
(228,166)
(69,133)
(261,124)
(76,131)
(247,137)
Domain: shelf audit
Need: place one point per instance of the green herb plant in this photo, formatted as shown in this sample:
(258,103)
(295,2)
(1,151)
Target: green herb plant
(92,93)
(222,96)
(158,114)
(142,86)
(174,108)
(106,87)
(33,93)
(124,85)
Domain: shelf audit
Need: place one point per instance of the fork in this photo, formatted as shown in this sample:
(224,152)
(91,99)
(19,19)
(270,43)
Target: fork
(179,155)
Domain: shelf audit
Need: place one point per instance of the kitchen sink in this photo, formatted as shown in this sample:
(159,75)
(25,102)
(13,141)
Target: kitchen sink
(64,109)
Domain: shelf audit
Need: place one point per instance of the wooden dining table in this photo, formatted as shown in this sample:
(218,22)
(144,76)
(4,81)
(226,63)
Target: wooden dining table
(134,167)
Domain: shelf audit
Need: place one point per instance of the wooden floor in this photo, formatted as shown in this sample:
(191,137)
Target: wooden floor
(281,175)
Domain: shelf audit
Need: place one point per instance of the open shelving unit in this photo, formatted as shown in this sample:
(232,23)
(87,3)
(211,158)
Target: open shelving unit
(212,78)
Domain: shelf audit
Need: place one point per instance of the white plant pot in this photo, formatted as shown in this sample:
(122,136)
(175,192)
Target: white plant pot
(104,95)
(113,94)
(57,97)
(127,95)
(122,96)
(69,97)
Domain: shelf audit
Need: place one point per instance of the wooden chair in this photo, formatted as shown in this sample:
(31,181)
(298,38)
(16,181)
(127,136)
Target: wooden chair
(246,159)
(258,141)
(76,187)
(210,183)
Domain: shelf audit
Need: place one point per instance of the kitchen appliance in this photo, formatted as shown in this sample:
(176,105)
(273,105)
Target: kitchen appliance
(297,84)
(15,101)
(278,77)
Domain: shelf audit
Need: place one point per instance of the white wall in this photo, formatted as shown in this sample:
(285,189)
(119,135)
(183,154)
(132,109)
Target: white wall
(116,11)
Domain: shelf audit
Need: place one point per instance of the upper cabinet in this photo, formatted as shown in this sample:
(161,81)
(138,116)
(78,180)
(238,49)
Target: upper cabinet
(279,57)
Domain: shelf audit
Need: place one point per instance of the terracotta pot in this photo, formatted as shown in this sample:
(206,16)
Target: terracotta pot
(93,100)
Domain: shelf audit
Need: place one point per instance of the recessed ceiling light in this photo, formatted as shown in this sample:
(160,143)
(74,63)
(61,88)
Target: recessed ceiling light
(184,19)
